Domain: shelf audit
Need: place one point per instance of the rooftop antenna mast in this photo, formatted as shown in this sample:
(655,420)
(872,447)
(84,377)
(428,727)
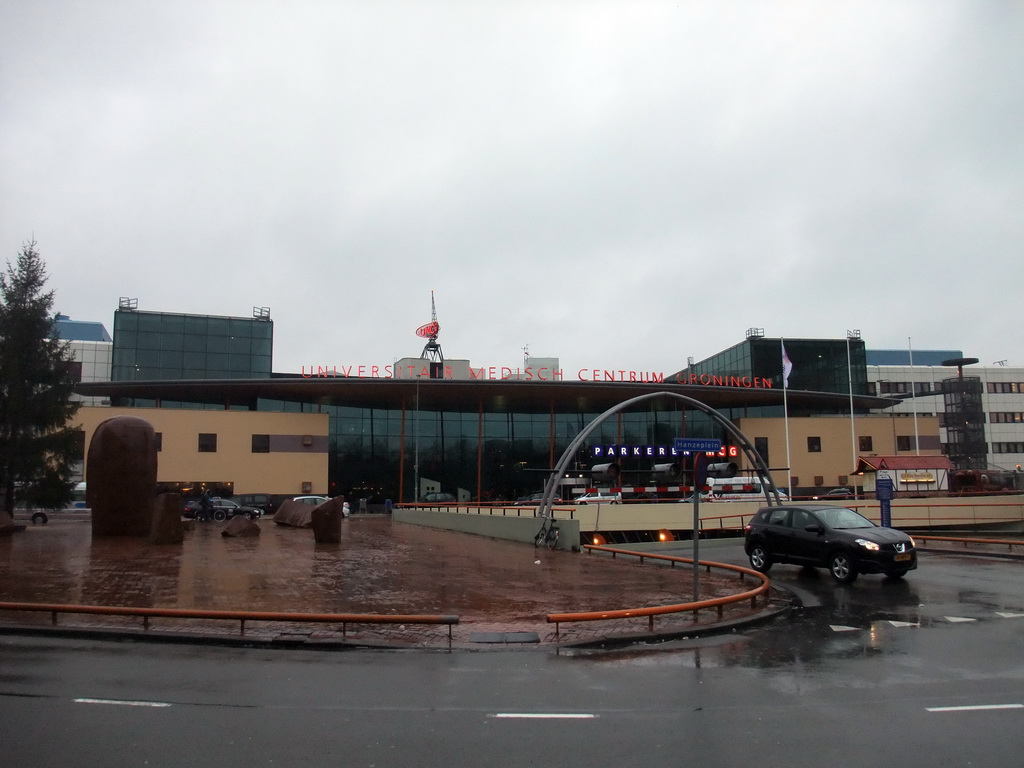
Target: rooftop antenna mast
(431,350)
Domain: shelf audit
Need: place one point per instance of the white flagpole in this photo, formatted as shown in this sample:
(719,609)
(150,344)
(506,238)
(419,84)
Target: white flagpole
(853,423)
(913,398)
(785,411)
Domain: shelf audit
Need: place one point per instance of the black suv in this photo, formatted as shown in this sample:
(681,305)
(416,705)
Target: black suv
(837,538)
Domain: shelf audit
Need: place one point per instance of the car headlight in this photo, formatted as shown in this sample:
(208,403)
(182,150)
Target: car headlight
(868,544)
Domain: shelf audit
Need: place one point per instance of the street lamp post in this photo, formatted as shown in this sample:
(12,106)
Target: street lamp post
(854,334)
(416,446)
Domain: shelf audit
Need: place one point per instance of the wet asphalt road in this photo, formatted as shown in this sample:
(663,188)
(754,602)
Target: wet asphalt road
(924,672)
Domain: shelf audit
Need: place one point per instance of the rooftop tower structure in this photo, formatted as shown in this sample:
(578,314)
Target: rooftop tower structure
(432,350)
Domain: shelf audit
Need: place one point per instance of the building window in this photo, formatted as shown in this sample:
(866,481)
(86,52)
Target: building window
(207,442)
(866,444)
(261,443)
(79,449)
(814,445)
(1007,447)
(819,479)
(761,447)
(158,438)
(1007,417)
(893,387)
(904,442)
(843,479)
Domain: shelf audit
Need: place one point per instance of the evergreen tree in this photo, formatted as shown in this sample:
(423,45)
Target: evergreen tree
(37,441)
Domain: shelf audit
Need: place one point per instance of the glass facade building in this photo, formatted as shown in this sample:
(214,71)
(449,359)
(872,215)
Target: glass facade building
(836,366)
(500,453)
(160,346)
(477,439)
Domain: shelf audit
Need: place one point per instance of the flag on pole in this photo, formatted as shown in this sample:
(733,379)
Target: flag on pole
(787,366)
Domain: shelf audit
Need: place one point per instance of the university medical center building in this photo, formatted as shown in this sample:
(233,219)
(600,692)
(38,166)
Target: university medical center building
(227,421)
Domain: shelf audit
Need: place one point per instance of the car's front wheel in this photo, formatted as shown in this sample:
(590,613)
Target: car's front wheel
(760,560)
(220,515)
(39,518)
(842,567)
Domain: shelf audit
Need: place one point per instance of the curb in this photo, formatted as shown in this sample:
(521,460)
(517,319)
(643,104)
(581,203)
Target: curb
(303,641)
(617,642)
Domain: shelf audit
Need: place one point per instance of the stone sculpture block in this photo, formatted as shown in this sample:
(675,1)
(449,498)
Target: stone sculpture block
(241,527)
(294,514)
(121,476)
(326,520)
(167,525)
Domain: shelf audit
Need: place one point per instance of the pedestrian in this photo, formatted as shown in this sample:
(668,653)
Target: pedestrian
(205,505)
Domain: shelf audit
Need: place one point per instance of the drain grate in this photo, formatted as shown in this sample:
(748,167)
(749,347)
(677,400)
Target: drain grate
(504,637)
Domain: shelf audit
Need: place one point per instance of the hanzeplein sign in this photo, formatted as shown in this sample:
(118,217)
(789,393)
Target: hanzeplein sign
(696,445)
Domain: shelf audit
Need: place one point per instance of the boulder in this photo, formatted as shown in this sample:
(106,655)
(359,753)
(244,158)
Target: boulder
(294,514)
(240,526)
(167,526)
(327,521)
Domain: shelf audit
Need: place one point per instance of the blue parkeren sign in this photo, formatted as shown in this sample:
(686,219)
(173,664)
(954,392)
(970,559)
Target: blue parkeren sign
(696,445)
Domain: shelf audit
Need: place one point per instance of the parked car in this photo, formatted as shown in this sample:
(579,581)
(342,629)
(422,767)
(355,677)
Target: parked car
(76,509)
(820,536)
(221,509)
(313,501)
(837,493)
(261,501)
(599,497)
(438,498)
(40,516)
(535,498)
(316,501)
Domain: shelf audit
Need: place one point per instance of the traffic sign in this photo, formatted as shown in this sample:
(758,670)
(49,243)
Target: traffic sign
(696,445)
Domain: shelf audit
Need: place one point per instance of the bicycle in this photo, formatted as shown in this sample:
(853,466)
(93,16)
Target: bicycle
(548,534)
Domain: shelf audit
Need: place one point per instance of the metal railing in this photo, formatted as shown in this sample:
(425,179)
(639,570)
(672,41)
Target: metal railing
(344,619)
(651,612)
(1009,543)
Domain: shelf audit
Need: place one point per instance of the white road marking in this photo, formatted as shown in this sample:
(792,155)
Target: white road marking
(957,619)
(123,703)
(1006,615)
(904,624)
(841,628)
(543,716)
(975,707)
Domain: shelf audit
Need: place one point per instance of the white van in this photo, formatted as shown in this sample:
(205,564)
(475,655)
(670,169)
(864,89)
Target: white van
(77,509)
(737,489)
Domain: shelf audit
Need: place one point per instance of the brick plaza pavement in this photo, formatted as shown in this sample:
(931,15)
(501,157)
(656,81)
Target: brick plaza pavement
(502,591)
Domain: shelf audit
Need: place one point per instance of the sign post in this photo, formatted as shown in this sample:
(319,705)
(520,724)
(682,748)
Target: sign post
(884,491)
(698,447)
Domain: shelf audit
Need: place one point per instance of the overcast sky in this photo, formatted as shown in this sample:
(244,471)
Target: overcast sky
(617,184)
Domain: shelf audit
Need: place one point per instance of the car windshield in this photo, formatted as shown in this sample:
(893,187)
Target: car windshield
(842,517)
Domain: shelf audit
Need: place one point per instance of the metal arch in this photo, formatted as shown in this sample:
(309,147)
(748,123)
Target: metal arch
(747,447)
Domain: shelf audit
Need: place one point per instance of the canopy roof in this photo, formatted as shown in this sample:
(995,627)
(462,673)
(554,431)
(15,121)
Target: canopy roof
(445,394)
(869,464)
